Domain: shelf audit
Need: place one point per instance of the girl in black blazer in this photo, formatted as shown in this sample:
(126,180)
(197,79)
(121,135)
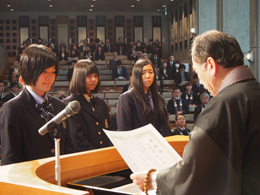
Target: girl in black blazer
(87,125)
(165,71)
(63,55)
(21,117)
(142,104)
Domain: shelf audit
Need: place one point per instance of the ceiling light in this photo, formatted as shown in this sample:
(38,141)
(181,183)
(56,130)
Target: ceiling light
(50,5)
(163,5)
(91,5)
(12,10)
(132,5)
(94,0)
(158,10)
(90,10)
(137,0)
(8,5)
(49,0)
(171,0)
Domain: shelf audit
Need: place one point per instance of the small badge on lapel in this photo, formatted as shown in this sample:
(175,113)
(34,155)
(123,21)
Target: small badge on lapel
(106,123)
(64,124)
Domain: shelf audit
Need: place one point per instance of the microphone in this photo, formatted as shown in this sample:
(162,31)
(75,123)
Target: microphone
(71,109)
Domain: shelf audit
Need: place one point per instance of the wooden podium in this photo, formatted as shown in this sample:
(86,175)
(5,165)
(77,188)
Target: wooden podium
(38,176)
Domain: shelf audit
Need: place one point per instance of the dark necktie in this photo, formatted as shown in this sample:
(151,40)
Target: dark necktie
(45,110)
(92,102)
(150,100)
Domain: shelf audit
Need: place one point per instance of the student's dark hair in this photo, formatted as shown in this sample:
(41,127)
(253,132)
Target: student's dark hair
(188,84)
(176,116)
(176,88)
(78,82)
(221,46)
(177,62)
(2,81)
(182,66)
(195,76)
(164,62)
(34,61)
(139,94)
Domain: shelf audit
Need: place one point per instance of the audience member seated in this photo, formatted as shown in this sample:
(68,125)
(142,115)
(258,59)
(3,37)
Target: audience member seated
(11,71)
(189,95)
(171,63)
(128,85)
(180,122)
(145,56)
(72,55)
(157,62)
(87,51)
(159,51)
(63,55)
(39,41)
(14,87)
(88,56)
(112,62)
(197,87)
(165,71)
(204,98)
(75,48)
(28,41)
(70,71)
(62,97)
(54,48)
(60,92)
(25,45)
(177,105)
(121,50)
(83,47)
(114,120)
(119,72)
(119,43)
(149,48)
(143,48)
(96,45)
(139,56)
(181,77)
(2,93)
(175,69)
(99,54)
(108,47)
(132,55)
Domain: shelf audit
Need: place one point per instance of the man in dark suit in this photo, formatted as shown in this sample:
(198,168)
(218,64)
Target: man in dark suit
(120,72)
(197,87)
(112,62)
(180,122)
(139,56)
(88,56)
(181,76)
(204,98)
(119,43)
(11,71)
(176,105)
(13,91)
(121,50)
(99,54)
(83,47)
(95,46)
(2,89)
(150,47)
(54,47)
(70,71)
(108,47)
(157,62)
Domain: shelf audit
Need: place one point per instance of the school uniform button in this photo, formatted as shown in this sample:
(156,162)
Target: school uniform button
(101,142)
(97,123)
(52,150)
(99,133)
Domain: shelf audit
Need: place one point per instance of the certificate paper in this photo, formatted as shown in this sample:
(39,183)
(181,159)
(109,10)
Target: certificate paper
(144,148)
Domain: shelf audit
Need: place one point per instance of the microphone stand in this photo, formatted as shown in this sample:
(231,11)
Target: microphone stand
(57,136)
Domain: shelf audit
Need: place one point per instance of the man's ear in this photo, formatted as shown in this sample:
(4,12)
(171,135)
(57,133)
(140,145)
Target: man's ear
(212,66)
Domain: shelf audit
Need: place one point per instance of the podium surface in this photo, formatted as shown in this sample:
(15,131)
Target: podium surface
(38,176)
